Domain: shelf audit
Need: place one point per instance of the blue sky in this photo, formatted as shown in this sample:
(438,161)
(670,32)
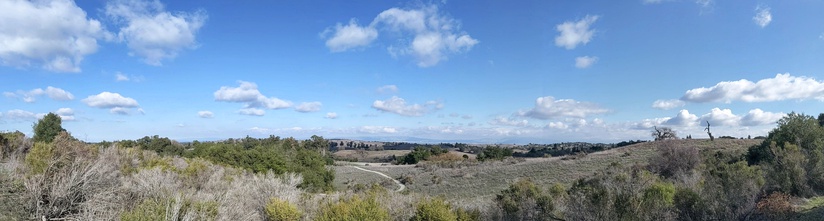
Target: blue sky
(471,71)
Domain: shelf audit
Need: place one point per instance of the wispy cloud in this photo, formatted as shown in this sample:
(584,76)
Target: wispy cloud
(762,17)
(399,106)
(574,33)
(585,61)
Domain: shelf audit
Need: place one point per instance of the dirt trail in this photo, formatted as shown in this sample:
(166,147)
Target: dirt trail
(401,188)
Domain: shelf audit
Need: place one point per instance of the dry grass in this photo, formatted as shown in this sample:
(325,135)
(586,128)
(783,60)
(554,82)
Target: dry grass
(481,182)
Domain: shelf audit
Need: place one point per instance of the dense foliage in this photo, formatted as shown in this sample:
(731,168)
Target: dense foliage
(494,153)
(47,128)
(421,153)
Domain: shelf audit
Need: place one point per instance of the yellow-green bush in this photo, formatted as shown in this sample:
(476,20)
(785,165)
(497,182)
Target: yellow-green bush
(281,210)
(39,157)
(149,209)
(434,210)
(353,209)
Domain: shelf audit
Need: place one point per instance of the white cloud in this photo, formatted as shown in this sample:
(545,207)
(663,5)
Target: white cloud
(547,108)
(762,17)
(424,33)
(388,89)
(205,114)
(653,1)
(398,106)
(758,117)
(782,87)
(574,33)
(349,36)
(667,104)
(306,107)
(116,103)
(153,33)
(53,34)
(121,77)
(585,61)
(31,96)
(66,114)
(557,125)
(331,115)
(706,5)
(503,121)
(684,118)
(377,129)
(249,94)
(721,117)
(252,111)
(21,115)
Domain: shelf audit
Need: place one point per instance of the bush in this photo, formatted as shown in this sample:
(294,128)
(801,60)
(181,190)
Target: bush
(281,210)
(434,210)
(689,206)
(353,209)
(671,160)
(149,209)
(775,206)
(523,200)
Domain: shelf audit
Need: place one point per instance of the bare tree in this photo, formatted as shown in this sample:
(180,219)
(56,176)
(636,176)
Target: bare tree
(708,131)
(663,133)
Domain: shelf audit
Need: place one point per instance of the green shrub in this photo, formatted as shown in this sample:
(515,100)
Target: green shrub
(149,209)
(434,210)
(281,210)
(353,209)
(40,157)
(523,200)
(494,153)
(467,215)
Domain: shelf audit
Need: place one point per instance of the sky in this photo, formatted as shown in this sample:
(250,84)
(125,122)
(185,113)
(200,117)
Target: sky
(453,71)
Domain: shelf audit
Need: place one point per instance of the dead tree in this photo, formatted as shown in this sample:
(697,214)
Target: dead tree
(708,131)
(664,133)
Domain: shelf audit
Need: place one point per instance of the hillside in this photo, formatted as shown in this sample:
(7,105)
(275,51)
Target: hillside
(480,182)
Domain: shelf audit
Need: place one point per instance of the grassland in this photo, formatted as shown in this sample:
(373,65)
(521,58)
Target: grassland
(481,181)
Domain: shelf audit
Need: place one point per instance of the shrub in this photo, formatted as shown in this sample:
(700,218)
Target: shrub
(281,210)
(149,209)
(40,157)
(353,209)
(467,215)
(523,200)
(671,160)
(775,206)
(434,210)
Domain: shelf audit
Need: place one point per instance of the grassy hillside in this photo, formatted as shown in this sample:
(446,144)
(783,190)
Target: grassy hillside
(481,181)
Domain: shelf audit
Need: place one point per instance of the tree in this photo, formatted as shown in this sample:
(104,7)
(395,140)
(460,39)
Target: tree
(663,133)
(47,128)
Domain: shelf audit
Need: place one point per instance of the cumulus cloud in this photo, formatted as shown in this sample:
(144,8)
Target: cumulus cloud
(248,94)
(307,107)
(349,36)
(762,17)
(205,114)
(398,105)
(503,121)
(52,34)
(758,117)
(425,33)
(547,108)
(782,87)
(388,89)
(251,111)
(585,61)
(153,33)
(66,114)
(574,33)
(667,104)
(684,118)
(377,129)
(31,96)
(21,115)
(720,117)
(116,103)
(331,115)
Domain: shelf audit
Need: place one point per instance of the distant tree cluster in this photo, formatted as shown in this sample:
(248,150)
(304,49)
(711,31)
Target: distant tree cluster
(421,153)
(494,153)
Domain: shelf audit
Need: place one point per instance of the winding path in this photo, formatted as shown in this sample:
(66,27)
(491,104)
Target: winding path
(401,188)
